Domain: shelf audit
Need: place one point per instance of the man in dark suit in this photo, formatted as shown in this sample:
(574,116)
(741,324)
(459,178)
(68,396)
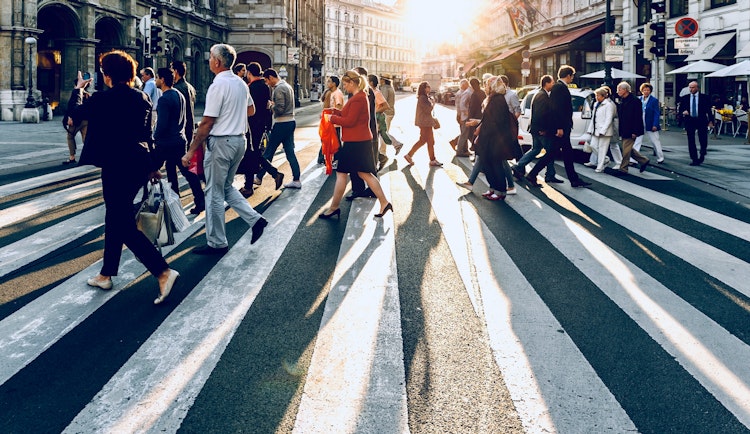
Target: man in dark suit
(696,110)
(562,124)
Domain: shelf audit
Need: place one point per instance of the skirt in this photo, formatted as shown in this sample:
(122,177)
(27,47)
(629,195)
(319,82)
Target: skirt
(356,157)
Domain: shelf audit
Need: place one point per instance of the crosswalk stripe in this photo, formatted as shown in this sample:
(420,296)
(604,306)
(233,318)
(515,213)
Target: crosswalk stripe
(48,179)
(523,332)
(155,388)
(48,202)
(712,355)
(356,379)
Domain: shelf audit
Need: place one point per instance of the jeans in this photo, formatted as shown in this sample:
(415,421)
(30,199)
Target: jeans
(538,143)
(223,156)
(282,133)
(475,170)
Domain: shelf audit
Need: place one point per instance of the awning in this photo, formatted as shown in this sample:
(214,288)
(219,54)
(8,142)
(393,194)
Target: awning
(745,52)
(710,47)
(504,55)
(468,66)
(567,38)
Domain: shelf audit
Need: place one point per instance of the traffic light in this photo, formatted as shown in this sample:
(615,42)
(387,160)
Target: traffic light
(648,44)
(659,38)
(659,6)
(154,30)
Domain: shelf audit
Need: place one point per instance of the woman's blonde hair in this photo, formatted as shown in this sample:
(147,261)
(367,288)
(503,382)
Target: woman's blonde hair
(354,77)
(603,91)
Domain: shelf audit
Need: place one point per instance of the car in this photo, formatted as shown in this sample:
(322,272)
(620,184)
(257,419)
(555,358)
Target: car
(523,90)
(582,101)
(414,86)
(447,93)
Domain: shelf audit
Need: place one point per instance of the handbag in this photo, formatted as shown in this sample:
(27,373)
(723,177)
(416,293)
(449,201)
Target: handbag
(153,218)
(435,123)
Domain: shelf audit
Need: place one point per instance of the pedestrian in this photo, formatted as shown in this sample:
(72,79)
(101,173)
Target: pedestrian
(118,141)
(359,189)
(514,106)
(333,98)
(188,92)
(541,129)
(170,140)
(284,125)
(424,120)
(696,111)
(381,105)
(389,93)
(630,114)
(651,121)
(463,96)
(475,114)
(223,127)
(602,129)
(240,71)
(356,153)
(562,124)
(495,141)
(150,89)
(260,123)
(72,129)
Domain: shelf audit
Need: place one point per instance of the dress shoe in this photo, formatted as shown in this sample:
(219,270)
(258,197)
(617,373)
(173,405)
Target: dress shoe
(279,180)
(256,180)
(68,161)
(330,215)
(103,284)
(695,163)
(382,159)
(246,192)
(554,181)
(208,250)
(579,183)
(702,157)
(518,173)
(454,143)
(197,209)
(258,229)
(532,181)
(618,172)
(644,166)
(355,194)
(387,208)
(163,293)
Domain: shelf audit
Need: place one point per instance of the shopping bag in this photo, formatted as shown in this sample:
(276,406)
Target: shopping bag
(176,213)
(196,163)
(152,217)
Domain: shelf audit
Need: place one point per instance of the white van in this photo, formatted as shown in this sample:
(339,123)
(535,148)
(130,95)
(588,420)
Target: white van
(582,101)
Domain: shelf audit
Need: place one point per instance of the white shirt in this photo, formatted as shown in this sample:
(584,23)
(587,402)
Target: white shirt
(227,100)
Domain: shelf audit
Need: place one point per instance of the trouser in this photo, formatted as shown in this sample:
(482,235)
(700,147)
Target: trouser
(282,133)
(253,160)
(538,143)
(172,156)
(462,147)
(426,136)
(119,188)
(562,145)
(653,137)
(383,142)
(691,126)
(627,152)
(72,131)
(223,156)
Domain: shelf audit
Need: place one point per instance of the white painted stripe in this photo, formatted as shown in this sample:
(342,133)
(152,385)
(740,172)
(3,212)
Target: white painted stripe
(156,387)
(48,179)
(30,155)
(48,202)
(710,218)
(552,385)
(28,332)
(716,358)
(356,379)
(717,263)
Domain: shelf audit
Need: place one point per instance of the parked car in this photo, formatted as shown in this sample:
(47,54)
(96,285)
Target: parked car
(523,90)
(447,93)
(582,101)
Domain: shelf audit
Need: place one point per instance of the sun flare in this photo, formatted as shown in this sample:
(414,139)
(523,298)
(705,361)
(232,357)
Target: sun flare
(436,22)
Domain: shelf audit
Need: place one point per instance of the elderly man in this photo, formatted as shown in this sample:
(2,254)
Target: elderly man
(223,127)
(696,110)
(630,114)
(462,115)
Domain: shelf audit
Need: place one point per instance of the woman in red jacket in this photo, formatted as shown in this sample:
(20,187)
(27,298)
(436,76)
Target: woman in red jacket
(355,156)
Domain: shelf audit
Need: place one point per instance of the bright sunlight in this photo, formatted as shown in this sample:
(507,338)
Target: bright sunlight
(436,22)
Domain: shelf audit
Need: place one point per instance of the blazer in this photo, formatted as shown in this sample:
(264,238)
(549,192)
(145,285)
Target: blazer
(630,113)
(475,104)
(561,107)
(603,123)
(651,113)
(541,115)
(423,115)
(119,132)
(704,108)
(496,141)
(354,119)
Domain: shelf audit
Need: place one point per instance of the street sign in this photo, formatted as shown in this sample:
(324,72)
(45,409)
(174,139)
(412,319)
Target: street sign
(686,27)
(685,51)
(686,42)
(143,25)
(525,72)
(282,72)
(614,49)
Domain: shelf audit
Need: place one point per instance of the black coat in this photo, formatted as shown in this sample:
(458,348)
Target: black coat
(119,131)
(630,114)
(542,122)
(475,104)
(562,108)
(704,108)
(496,141)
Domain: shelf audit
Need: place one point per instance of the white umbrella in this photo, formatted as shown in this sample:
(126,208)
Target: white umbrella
(616,73)
(700,66)
(742,68)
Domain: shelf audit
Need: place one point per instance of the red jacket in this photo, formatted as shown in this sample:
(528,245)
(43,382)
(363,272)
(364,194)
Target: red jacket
(354,119)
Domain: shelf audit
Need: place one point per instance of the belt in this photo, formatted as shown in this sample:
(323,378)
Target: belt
(231,135)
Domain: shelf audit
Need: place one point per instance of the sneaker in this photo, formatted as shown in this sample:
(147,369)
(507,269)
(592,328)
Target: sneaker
(293,184)
(511,191)
(257,180)
(589,164)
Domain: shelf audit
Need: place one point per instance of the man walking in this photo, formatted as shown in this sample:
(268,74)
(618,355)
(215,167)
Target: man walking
(541,132)
(150,89)
(170,140)
(228,104)
(462,116)
(696,111)
(630,114)
(284,124)
(390,97)
(188,92)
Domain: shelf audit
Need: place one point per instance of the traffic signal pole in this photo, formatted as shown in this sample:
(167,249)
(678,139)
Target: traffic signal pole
(658,50)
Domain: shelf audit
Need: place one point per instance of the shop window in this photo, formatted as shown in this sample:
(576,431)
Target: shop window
(720,3)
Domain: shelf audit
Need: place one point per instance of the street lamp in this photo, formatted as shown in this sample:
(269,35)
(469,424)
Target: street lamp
(30,103)
(608,29)
(297,101)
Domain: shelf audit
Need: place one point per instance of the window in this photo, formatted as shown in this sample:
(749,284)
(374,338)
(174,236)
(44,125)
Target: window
(644,12)
(678,8)
(720,3)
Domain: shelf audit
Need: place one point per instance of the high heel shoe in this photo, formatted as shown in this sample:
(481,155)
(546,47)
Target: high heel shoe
(387,208)
(336,213)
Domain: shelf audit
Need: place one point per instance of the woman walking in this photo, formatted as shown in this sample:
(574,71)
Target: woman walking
(424,120)
(602,129)
(118,141)
(355,156)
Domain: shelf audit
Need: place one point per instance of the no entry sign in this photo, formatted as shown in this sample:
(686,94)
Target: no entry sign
(686,27)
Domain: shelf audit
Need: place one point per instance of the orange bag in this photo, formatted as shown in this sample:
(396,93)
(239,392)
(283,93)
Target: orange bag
(329,139)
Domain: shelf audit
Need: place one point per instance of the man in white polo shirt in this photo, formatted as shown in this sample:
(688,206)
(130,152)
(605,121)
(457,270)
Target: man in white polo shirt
(223,128)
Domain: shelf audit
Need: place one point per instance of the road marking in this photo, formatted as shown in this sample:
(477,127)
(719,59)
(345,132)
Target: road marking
(48,202)
(356,381)
(48,179)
